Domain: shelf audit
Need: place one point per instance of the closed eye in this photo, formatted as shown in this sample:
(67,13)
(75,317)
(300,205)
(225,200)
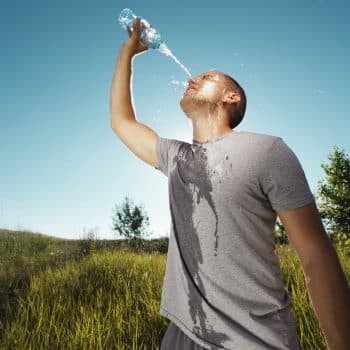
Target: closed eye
(207,76)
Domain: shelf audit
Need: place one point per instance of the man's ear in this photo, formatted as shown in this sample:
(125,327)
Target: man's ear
(232,97)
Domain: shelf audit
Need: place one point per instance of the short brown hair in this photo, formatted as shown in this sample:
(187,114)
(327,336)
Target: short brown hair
(239,109)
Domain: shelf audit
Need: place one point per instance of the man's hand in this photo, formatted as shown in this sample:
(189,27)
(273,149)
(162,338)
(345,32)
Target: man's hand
(134,46)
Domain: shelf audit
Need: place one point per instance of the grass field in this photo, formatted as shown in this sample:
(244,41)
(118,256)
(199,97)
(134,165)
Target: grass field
(61,294)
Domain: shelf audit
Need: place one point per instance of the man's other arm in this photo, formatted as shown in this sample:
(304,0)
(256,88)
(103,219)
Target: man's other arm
(325,280)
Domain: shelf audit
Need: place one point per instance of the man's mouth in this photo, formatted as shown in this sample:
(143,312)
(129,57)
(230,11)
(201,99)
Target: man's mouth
(190,88)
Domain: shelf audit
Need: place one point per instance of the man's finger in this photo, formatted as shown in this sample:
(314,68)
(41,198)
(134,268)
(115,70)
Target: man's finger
(137,26)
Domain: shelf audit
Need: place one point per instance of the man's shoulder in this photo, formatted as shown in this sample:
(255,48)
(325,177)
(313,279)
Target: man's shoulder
(170,142)
(260,138)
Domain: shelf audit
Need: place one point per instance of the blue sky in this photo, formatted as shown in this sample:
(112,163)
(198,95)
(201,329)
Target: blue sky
(63,169)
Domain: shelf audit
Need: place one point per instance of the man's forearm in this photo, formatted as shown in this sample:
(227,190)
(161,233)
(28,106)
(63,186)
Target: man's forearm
(120,95)
(330,295)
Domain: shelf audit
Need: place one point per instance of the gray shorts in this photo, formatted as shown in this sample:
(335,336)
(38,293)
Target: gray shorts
(175,339)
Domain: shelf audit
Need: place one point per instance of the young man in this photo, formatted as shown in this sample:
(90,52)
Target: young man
(222,286)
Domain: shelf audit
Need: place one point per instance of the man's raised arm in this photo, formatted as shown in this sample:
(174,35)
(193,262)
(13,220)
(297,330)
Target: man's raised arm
(138,137)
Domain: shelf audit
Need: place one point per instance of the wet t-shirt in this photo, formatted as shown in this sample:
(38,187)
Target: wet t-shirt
(222,285)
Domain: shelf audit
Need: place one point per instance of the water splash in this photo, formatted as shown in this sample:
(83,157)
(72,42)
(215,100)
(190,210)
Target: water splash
(184,83)
(166,51)
(178,82)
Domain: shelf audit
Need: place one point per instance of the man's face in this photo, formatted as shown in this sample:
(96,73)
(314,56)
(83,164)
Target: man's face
(206,89)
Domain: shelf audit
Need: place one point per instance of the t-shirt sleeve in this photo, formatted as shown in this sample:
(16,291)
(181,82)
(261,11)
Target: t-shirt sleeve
(167,150)
(283,179)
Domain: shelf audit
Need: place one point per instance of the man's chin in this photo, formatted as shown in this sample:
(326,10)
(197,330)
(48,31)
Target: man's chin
(186,105)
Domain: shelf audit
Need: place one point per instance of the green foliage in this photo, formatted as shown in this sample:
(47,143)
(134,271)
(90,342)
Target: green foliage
(343,242)
(280,233)
(88,245)
(130,221)
(334,198)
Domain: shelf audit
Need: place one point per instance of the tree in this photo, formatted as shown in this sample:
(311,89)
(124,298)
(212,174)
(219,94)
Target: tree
(334,197)
(88,244)
(280,233)
(130,221)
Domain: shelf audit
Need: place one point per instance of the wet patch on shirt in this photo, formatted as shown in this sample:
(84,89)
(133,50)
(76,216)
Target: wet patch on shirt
(192,167)
(190,187)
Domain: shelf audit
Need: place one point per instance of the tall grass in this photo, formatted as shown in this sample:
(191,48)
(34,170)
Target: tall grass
(107,301)
(110,299)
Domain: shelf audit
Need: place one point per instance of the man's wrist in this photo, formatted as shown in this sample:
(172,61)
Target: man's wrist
(125,51)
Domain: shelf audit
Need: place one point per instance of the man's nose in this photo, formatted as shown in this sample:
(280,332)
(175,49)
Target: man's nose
(191,80)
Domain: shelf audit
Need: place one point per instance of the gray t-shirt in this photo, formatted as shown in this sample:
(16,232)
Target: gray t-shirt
(222,285)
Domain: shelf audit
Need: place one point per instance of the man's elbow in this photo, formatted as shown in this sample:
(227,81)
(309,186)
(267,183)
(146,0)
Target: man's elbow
(113,126)
(113,121)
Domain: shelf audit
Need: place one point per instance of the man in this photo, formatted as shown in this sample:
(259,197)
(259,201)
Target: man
(222,286)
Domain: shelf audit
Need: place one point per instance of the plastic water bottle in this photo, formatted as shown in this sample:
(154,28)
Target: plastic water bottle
(149,36)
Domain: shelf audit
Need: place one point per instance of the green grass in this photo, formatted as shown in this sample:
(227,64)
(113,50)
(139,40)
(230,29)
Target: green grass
(55,297)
